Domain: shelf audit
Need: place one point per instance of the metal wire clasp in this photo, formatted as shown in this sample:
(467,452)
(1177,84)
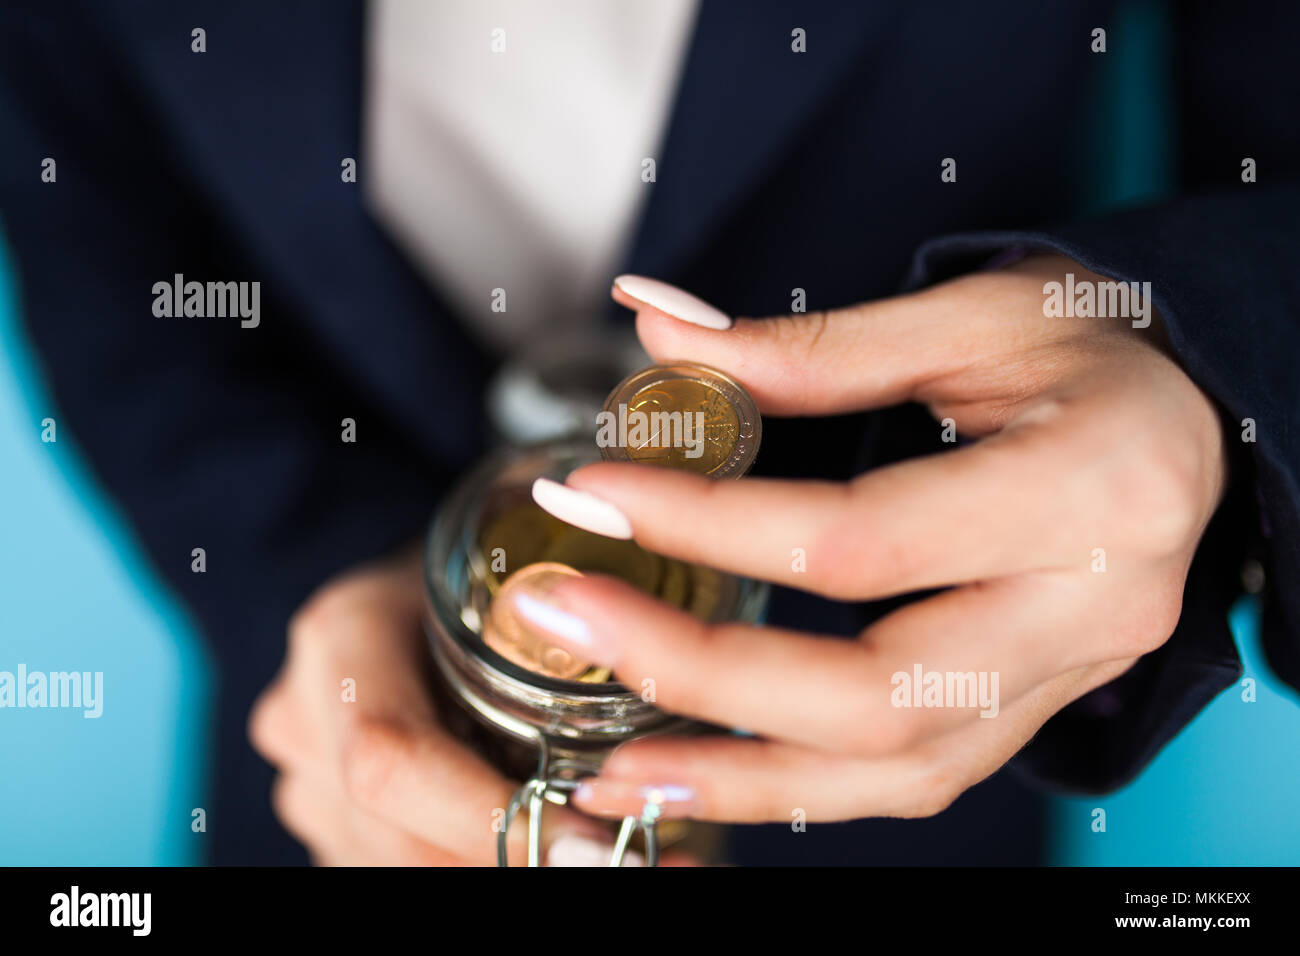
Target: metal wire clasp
(554,783)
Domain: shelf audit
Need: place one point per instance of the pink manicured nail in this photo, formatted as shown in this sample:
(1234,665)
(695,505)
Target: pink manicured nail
(677,303)
(580,509)
(573,850)
(673,800)
(547,621)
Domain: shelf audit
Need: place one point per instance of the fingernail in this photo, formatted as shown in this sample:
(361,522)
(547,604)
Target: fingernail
(574,850)
(671,799)
(537,611)
(581,509)
(676,302)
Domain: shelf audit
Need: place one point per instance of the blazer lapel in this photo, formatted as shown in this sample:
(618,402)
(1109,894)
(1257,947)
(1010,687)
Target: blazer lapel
(267,114)
(743,98)
(264,119)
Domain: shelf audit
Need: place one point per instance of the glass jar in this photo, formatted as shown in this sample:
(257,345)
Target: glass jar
(547,731)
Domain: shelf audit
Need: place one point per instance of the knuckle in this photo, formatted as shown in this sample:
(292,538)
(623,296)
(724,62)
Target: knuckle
(313,620)
(415,852)
(901,563)
(1172,520)
(265,726)
(680,679)
(809,328)
(679,694)
(803,328)
(885,732)
(841,572)
(372,753)
(877,728)
(931,803)
(802,334)
(1160,497)
(333,608)
(862,553)
(1168,612)
(847,569)
(1154,622)
(934,792)
(771,803)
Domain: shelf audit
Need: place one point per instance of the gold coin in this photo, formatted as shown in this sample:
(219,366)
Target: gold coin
(515,537)
(596,675)
(503,632)
(686,425)
(683,416)
(597,554)
(675,585)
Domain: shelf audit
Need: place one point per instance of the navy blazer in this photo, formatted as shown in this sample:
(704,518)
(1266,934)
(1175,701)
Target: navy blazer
(780,170)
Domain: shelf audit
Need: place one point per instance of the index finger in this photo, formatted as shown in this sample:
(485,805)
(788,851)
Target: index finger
(923,523)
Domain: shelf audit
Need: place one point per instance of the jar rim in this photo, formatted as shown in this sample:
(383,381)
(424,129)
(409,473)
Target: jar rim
(441,542)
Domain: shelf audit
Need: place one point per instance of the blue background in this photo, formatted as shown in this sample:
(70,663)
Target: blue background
(75,594)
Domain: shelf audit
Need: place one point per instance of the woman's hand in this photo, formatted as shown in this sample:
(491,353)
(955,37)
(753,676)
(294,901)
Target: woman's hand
(367,775)
(1063,535)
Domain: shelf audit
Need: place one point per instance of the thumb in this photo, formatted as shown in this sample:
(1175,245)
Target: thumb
(815,363)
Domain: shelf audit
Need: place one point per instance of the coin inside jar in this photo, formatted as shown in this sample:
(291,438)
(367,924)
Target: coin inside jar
(684,416)
(503,632)
(519,534)
(597,554)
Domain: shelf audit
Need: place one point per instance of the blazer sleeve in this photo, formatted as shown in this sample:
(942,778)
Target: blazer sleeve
(1223,260)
